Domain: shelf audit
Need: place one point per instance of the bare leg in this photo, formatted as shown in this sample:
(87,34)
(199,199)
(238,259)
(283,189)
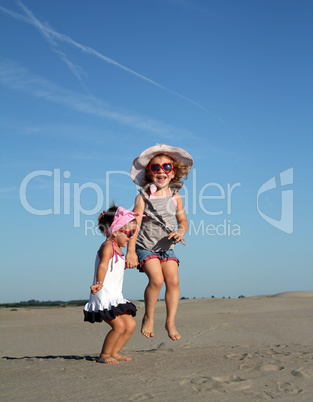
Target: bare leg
(171,278)
(118,329)
(153,270)
(130,325)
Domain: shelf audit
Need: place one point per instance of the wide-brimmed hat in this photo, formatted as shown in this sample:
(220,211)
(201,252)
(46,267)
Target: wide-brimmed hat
(139,165)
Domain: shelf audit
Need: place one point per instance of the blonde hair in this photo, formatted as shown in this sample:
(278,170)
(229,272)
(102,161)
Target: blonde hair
(181,172)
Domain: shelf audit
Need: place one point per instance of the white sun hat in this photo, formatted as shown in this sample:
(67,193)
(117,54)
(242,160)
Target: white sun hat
(139,165)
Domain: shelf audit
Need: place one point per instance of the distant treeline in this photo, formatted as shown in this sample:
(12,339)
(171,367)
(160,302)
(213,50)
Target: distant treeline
(71,303)
(37,303)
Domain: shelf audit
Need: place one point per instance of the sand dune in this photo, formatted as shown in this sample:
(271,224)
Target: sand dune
(249,349)
(295,294)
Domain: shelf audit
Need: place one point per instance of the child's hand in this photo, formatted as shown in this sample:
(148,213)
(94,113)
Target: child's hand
(131,259)
(95,288)
(177,236)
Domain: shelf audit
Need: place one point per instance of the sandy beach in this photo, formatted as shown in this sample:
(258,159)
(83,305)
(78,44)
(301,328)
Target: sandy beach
(248,349)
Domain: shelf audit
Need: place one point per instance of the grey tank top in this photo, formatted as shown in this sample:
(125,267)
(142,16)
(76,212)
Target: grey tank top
(159,222)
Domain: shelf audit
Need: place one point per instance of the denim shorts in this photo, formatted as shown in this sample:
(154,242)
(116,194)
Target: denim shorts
(145,255)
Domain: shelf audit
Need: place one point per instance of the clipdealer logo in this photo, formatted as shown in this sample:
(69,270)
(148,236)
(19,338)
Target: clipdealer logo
(199,198)
(285,223)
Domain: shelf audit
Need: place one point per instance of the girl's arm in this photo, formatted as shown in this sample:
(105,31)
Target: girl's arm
(181,218)
(106,253)
(131,256)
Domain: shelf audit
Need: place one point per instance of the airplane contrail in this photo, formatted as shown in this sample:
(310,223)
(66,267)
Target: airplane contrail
(51,35)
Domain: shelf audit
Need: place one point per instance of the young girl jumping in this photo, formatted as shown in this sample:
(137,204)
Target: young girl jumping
(159,170)
(106,301)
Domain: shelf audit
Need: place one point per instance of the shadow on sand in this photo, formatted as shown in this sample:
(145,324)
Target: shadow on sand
(51,357)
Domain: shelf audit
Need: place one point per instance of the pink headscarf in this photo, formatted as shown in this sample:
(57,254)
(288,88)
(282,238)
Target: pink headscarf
(122,217)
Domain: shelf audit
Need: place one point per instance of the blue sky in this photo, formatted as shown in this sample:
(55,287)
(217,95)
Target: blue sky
(87,86)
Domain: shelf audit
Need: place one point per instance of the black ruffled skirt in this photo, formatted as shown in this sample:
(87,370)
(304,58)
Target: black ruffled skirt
(101,315)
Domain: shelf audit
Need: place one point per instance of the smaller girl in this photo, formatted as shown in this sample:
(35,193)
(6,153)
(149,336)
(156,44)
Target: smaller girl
(106,301)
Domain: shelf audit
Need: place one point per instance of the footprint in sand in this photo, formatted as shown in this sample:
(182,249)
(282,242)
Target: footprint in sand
(211,328)
(302,373)
(219,384)
(243,359)
(232,356)
(246,356)
(269,367)
(197,334)
(140,397)
(216,326)
(238,356)
(263,367)
(287,388)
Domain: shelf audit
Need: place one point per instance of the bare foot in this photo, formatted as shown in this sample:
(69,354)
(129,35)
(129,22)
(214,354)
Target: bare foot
(172,331)
(147,327)
(107,359)
(123,358)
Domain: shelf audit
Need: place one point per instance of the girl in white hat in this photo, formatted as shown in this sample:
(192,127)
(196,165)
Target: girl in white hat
(159,170)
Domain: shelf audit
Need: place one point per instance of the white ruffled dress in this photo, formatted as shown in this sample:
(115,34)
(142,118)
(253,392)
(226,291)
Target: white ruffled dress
(109,301)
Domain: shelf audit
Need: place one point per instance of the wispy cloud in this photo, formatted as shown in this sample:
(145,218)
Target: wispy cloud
(79,132)
(7,192)
(18,78)
(15,15)
(49,34)
(54,37)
